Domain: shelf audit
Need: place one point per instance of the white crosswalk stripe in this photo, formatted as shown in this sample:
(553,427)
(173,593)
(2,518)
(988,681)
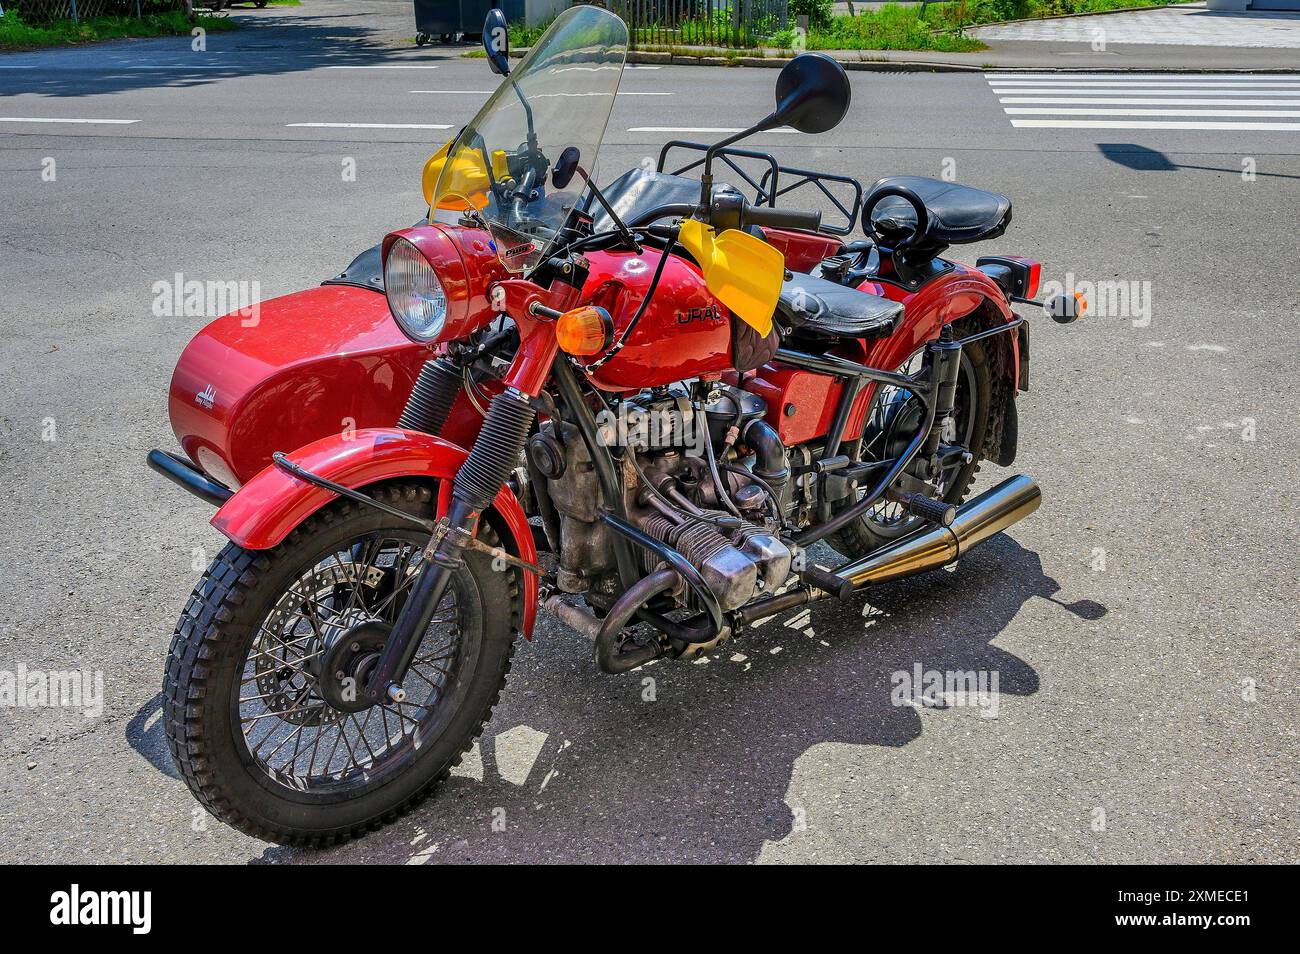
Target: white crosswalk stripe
(1161,100)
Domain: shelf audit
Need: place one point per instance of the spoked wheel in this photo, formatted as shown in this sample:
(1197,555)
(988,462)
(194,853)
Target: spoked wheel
(267,713)
(895,416)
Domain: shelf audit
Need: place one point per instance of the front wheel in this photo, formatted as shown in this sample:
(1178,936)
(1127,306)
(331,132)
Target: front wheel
(264,705)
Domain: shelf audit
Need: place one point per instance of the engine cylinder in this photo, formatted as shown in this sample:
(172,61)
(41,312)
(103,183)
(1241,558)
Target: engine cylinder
(730,574)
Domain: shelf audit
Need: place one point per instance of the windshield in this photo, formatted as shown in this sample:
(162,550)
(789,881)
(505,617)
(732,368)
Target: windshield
(517,163)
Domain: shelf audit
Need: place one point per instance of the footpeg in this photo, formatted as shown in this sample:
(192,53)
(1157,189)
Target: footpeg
(825,580)
(927,508)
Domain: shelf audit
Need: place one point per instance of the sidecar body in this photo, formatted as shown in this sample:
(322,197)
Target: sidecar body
(323,361)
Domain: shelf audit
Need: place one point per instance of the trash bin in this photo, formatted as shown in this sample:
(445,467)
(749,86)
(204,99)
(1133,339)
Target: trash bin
(444,19)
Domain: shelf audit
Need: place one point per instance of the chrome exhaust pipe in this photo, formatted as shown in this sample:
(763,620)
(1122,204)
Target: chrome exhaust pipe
(977,520)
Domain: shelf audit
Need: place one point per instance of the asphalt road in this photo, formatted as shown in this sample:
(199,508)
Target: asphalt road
(1142,623)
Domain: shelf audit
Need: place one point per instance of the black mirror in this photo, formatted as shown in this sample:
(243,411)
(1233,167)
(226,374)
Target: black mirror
(496,41)
(812,94)
(565,167)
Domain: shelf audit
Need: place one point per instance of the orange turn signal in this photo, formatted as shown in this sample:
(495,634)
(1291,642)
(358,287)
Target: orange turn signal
(584,330)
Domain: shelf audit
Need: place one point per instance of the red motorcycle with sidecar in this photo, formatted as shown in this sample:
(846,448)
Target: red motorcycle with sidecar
(669,388)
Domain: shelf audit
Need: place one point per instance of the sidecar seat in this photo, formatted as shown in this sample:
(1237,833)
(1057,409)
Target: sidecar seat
(815,308)
(955,214)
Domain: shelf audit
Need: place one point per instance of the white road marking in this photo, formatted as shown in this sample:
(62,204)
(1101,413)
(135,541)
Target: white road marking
(699,129)
(368,125)
(1146,84)
(1190,97)
(1064,94)
(1145,124)
(1141,101)
(1053,111)
(389,66)
(1085,77)
(88,122)
(488,92)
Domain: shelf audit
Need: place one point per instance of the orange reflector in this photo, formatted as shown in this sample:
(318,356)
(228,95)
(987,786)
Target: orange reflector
(584,330)
(1083,302)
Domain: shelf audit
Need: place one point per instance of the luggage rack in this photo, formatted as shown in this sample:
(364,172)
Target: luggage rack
(767,187)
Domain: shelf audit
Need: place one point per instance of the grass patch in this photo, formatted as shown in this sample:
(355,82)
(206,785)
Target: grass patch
(17,35)
(941,27)
(891,27)
(522,35)
(962,13)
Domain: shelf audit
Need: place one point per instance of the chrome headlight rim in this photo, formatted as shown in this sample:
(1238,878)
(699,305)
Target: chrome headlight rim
(417,298)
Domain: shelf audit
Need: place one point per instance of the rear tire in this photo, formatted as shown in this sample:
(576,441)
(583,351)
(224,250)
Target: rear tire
(865,535)
(241,601)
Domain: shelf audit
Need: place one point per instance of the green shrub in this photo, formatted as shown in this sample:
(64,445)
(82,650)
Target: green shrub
(892,27)
(818,12)
(522,35)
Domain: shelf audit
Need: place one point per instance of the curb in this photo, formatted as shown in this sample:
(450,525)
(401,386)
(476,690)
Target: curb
(776,62)
(919,66)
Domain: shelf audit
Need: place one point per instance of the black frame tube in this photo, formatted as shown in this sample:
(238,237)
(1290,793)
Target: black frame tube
(185,475)
(923,389)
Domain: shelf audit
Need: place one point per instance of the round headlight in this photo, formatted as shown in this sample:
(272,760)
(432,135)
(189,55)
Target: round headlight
(415,296)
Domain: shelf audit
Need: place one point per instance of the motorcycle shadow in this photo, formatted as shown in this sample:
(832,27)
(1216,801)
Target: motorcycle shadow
(680,762)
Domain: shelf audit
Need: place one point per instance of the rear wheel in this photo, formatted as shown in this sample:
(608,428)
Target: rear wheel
(264,712)
(895,416)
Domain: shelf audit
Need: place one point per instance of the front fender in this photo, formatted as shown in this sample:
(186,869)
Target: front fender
(267,508)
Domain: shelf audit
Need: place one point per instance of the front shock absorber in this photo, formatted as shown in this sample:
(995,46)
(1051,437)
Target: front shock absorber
(435,391)
(494,455)
(496,451)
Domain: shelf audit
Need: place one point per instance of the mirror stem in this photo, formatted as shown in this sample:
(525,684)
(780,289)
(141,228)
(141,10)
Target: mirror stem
(706,178)
(623,230)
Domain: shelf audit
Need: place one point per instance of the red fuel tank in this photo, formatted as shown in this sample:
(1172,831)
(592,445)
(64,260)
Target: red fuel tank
(684,333)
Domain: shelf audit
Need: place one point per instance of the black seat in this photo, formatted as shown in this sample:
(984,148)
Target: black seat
(955,214)
(813,307)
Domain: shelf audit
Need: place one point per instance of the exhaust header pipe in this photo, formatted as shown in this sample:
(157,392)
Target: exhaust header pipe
(976,520)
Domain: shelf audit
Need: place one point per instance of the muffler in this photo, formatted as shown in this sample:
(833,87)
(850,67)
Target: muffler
(976,520)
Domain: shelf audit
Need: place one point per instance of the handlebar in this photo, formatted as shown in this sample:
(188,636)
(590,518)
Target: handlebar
(782,218)
(729,210)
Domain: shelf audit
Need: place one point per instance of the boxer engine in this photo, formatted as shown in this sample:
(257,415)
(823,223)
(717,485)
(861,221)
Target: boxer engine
(688,473)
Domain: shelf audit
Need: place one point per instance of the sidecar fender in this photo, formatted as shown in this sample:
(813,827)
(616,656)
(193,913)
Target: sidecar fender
(964,294)
(267,508)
